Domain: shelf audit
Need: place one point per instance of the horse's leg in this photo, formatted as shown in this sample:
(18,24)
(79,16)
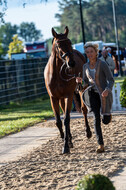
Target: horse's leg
(84,111)
(68,136)
(88,131)
(62,105)
(56,110)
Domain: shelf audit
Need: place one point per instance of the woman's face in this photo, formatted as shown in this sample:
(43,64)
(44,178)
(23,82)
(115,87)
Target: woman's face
(91,53)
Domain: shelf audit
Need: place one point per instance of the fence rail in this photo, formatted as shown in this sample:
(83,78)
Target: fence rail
(21,79)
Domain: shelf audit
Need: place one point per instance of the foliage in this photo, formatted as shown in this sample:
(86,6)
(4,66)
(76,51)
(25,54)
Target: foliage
(70,16)
(29,32)
(95,182)
(1,51)
(123,94)
(3,4)
(6,33)
(26,30)
(97,17)
(15,46)
(98,20)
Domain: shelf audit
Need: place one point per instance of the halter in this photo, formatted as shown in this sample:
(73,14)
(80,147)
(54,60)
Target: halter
(65,54)
(69,75)
(72,76)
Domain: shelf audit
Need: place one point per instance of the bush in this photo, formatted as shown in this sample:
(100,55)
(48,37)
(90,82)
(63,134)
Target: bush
(123,94)
(95,182)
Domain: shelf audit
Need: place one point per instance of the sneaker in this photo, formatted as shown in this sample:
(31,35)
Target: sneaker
(106,119)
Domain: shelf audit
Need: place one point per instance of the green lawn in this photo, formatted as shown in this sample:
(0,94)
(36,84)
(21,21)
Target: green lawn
(15,117)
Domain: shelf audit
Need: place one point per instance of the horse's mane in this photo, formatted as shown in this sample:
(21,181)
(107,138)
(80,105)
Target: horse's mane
(80,55)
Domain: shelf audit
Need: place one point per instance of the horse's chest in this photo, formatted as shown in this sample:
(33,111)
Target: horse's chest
(57,87)
(59,90)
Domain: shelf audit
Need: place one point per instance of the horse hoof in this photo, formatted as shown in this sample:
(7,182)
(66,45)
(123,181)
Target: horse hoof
(65,150)
(89,134)
(62,135)
(70,144)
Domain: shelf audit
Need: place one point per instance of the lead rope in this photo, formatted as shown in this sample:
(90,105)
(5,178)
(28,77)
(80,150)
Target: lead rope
(73,76)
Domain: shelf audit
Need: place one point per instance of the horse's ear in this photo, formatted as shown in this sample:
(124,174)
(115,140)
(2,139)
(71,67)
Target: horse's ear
(54,33)
(66,31)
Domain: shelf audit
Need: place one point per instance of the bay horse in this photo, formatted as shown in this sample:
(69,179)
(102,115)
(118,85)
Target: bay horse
(60,74)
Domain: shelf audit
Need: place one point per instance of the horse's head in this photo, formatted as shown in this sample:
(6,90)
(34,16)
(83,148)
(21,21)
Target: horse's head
(63,47)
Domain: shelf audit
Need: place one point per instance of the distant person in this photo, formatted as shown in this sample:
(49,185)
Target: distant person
(109,51)
(124,55)
(109,60)
(99,53)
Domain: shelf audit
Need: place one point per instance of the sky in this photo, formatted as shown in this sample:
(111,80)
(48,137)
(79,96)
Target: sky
(37,11)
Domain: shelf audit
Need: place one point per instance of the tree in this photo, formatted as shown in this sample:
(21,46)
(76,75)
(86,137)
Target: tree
(70,16)
(98,20)
(15,46)
(6,33)
(29,32)
(123,94)
(3,4)
(1,51)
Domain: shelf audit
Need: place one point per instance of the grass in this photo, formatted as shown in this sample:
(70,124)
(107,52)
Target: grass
(17,116)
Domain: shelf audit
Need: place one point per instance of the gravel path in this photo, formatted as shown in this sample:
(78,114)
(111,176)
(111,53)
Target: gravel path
(46,168)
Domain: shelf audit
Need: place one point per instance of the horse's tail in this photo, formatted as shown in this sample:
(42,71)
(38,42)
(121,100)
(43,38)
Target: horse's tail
(77,101)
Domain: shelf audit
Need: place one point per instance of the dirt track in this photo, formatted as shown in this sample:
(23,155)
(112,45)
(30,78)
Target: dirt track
(47,169)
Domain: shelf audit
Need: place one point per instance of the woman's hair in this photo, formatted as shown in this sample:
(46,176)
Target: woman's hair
(90,44)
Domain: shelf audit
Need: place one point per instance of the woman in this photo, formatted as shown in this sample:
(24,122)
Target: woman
(98,96)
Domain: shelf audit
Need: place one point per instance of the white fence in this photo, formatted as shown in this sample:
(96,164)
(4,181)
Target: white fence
(116,99)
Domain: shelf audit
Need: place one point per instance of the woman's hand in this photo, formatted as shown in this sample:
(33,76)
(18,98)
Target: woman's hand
(105,93)
(78,80)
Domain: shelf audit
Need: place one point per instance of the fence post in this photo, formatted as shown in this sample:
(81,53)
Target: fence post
(116,98)
(5,83)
